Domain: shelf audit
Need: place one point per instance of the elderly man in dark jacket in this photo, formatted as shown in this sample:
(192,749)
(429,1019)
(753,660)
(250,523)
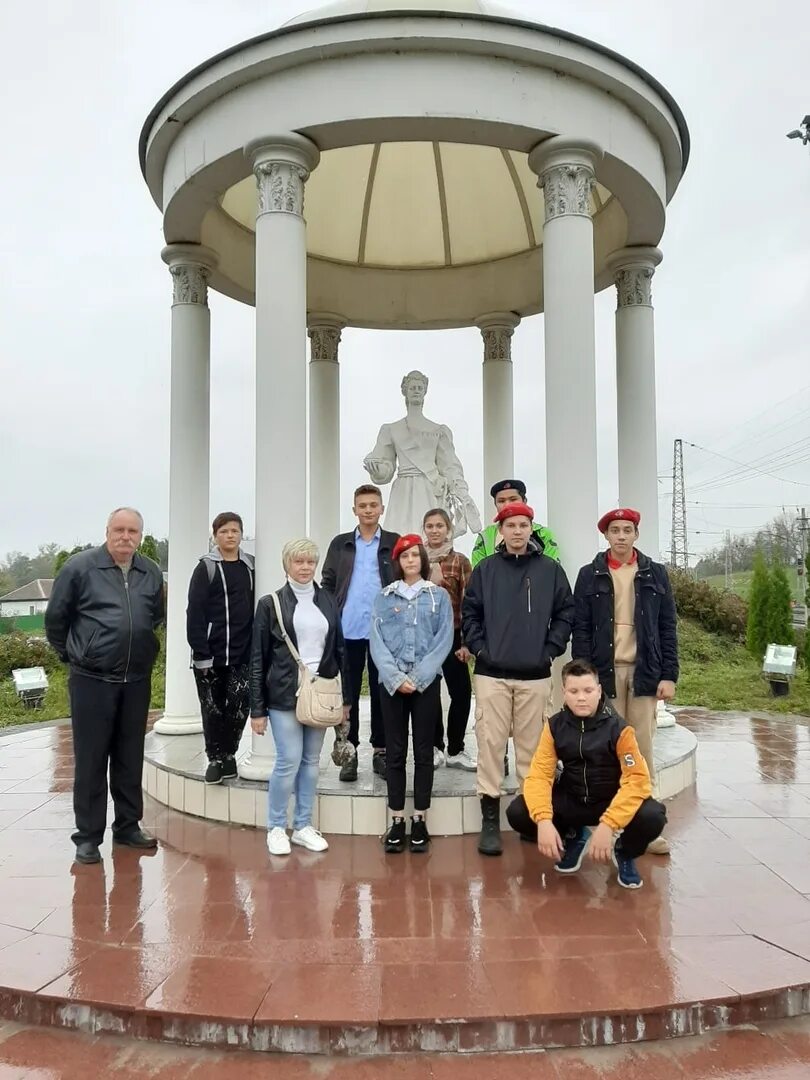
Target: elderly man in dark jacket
(516,618)
(625,625)
(101,619)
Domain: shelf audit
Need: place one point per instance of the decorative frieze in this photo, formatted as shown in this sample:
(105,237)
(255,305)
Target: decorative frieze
(634,286)
(281,187)
(567,189)
(325,341)
(189,283)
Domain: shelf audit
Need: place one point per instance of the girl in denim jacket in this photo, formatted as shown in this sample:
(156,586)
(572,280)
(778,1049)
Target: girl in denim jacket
(411,635)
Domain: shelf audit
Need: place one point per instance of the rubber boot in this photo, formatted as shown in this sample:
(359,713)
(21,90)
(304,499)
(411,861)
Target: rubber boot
(489,842)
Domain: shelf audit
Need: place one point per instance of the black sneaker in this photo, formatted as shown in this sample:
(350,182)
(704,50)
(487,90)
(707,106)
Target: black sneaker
(394,839)
(378,763)
(214,773)
(348,773)
(627,873)
(420,837)
(229,770)
(576,844)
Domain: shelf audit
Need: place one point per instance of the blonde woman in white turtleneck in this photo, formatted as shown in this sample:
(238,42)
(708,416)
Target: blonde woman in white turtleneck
(311,619)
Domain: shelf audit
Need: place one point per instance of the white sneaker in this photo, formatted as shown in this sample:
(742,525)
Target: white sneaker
(309,838)
(659,846)
(461,761)
(278,843)
(438,757)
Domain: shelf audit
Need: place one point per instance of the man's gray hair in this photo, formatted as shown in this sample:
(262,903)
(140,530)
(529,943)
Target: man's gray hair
(127,510)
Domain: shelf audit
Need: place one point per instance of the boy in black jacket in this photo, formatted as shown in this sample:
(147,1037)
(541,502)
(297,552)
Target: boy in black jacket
(516,618)
(625,625)
(219,624)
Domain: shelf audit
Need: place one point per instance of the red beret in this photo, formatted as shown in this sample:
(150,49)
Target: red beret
(514,509)
(624,513)
(408,541)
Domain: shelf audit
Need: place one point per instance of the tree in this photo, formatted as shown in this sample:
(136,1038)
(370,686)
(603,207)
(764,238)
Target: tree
(756,637)
(807,579)
(149,548)
(778,620)
(63,556)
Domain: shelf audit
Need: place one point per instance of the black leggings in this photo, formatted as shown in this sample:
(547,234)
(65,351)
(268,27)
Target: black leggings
(422,710)
(646,825)
(459,687)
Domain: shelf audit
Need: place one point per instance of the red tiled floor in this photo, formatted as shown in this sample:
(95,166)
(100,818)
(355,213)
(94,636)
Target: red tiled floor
(209,924)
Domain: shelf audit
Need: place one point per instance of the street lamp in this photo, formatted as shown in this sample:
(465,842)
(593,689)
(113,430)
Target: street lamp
(802,132)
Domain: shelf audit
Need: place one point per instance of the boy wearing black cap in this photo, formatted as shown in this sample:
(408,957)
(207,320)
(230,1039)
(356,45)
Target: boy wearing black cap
(503,493)
(625,625)
(516,618)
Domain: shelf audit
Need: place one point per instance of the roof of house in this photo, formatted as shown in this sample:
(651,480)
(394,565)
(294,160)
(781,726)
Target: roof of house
(39,589)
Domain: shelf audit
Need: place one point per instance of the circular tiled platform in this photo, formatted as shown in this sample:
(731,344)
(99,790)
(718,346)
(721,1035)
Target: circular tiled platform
(174,768)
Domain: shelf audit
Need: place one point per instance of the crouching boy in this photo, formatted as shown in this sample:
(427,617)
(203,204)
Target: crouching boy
(602,801)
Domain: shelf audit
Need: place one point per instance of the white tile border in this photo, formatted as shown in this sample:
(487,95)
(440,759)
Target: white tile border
(349,813)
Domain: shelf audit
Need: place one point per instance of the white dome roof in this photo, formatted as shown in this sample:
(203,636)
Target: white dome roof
(425,7)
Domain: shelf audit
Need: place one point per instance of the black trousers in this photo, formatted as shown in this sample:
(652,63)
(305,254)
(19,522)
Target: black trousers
(358,656)
(422,710)
(109,725)
(224,694)
(459,687)
(648,823)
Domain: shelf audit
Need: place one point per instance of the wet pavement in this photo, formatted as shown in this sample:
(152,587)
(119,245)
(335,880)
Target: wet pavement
(312,951)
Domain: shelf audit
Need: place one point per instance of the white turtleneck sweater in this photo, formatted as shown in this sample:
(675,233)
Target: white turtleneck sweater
(310,625)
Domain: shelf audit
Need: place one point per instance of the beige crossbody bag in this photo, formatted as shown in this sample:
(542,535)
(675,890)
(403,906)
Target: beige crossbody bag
(319,701)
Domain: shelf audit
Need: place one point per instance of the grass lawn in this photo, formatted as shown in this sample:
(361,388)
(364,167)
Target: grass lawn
(741,582)
(719,674)
(715,673)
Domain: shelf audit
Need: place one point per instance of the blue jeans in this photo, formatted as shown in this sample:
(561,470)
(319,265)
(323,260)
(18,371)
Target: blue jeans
(298,752)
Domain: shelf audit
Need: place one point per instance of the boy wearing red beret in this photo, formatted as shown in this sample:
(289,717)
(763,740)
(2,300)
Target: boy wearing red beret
(516,618)
(625,625)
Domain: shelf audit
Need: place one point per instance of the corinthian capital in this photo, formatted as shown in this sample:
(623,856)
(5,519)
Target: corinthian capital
(634,286)
(325,341)
(633,269)
(281,165)
(567,189)
(497,329)
(190,266)
(281,187)
(190,283)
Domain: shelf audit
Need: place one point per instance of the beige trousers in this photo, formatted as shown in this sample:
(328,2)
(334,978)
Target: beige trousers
(639,712)
(505,707)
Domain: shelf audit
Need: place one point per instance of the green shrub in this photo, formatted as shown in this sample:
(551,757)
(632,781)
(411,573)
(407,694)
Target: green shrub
(720,612)
(21,651)
(779,621)
(756,637)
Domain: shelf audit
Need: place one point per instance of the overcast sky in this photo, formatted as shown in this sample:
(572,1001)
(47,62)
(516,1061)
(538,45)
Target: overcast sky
(84,332)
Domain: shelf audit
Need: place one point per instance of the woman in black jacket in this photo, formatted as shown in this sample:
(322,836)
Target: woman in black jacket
(312,622)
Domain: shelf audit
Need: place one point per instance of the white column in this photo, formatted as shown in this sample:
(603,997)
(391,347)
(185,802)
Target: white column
(497,329)
(324,428)
(281,164)
(566,171)
(633,269)
(190,266)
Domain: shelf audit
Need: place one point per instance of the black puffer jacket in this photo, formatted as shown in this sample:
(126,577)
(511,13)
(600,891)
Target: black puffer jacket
(586,746)
(100,623)
(517,613)
(655,622)
(273,672)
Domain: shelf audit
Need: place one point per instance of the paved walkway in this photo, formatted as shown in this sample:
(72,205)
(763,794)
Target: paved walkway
(304,949)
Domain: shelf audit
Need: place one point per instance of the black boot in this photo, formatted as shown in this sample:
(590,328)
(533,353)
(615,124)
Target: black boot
(489,842)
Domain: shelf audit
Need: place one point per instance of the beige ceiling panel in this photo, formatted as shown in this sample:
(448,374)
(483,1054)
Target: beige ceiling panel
(239,202)
(333,203)
(404,219)
(483,207)
(531,192)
